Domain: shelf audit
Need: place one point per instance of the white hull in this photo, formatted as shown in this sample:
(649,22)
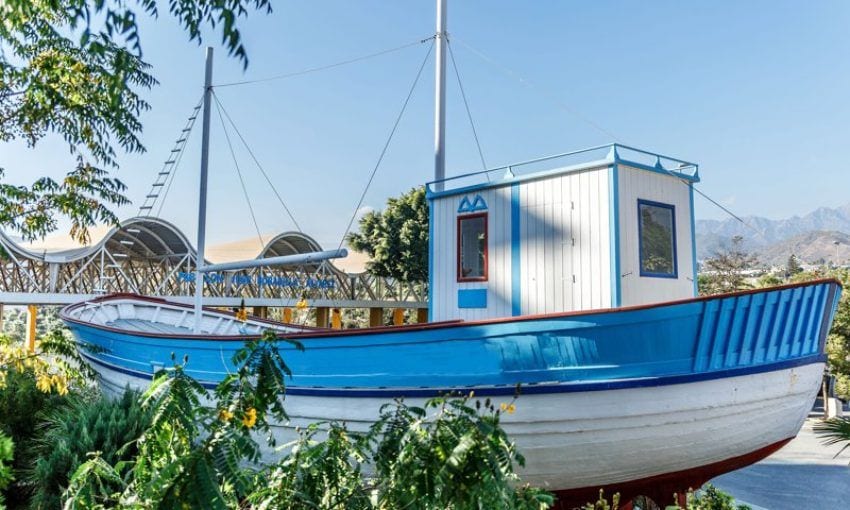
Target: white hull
(596,438)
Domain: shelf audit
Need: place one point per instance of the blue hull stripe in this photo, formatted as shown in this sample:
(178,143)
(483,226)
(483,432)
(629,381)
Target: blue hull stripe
(527,389)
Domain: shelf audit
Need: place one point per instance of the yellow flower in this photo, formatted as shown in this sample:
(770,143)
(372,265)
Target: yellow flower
(43,383)
(301,304)
(503,406)
(225,415)
(511,409)
(250,418)
(242,314)
(508,408)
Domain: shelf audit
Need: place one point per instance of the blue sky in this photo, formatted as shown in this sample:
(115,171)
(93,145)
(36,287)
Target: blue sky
(757,92)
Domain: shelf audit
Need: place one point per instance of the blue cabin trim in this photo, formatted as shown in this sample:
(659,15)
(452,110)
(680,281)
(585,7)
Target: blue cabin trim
(614,232)
(472,298)
(613,157)
(693,239)
(516,262)
(675,274)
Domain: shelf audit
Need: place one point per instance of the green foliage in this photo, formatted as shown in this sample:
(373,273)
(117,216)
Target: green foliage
(456,458)
(793,267)
(396,238)
(22,409)
(707,498)
(725,271)
(99,424)
(74,68)
(602,502)
(835,431)
(447,455)
(711,498)
(7,449)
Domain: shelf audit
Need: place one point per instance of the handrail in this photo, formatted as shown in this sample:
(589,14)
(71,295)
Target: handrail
(613,155)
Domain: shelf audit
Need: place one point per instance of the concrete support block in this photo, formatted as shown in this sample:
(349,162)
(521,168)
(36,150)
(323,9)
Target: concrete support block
(834,408)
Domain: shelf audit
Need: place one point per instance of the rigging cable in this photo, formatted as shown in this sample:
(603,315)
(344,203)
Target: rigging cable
(387,144)
(571,111)
(241,180)
(466,105)
(327,66)
(257,162)
(531,85)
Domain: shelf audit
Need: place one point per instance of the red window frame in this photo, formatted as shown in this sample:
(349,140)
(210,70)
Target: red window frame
(460,277)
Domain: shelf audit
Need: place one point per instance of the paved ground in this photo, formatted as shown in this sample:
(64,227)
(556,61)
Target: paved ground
(801,476)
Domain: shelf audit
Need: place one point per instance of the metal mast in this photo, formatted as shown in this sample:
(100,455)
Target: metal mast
(202,198)
(440,97)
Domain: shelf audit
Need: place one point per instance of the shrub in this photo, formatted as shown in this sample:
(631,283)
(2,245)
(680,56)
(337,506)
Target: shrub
(87,425)
(22,408)
(6,476)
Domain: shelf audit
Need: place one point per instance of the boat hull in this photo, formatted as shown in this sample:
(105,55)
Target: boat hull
(576,440)
(608,397)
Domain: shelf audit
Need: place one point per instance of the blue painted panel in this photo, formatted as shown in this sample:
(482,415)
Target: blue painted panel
(430,260)
(472,298)
(516,262)
(683,340)
(614,232)
(695,265)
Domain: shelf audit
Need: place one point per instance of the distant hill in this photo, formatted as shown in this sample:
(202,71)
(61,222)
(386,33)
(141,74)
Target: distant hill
(811,237)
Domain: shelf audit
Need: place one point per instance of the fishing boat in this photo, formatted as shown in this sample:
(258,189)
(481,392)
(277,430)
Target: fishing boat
(571,279)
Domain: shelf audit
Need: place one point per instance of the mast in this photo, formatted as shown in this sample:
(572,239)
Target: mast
(202,197)
(440,97)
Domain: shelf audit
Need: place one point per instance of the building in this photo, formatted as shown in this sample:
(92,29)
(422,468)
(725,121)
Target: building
(604,227)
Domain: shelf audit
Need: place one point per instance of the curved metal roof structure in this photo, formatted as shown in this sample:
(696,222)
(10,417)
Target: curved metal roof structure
(147,237)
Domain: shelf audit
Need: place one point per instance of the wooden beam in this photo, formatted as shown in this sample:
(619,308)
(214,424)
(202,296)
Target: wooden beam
(322,316)
(376,317)
(32,315)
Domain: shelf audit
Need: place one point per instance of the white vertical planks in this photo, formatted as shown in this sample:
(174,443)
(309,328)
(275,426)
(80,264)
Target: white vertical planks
(564,238)
(637,184)
(444,292)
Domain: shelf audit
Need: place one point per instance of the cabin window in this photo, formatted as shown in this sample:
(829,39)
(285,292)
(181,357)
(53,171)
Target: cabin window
(472,248)
(657,231)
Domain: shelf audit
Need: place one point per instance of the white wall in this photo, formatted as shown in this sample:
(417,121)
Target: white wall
(558,274)
(444,282)
(637,184)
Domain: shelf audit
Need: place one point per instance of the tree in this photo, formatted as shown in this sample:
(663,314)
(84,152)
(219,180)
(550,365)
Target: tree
(793,267)
(396,239)
(725,272)
(74,68)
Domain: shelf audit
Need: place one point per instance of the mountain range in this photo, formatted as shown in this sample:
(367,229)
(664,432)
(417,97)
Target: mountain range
(820,236)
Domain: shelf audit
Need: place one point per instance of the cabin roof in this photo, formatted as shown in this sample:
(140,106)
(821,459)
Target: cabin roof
(558,164)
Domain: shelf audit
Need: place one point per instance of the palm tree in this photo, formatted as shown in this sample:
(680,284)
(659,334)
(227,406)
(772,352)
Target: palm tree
(835,431)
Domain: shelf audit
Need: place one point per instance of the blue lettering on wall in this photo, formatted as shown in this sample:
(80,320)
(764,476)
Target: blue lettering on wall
(269,281)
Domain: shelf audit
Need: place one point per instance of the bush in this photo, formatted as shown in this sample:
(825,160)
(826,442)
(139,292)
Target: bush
(6,476)
(22,408)
(87,425)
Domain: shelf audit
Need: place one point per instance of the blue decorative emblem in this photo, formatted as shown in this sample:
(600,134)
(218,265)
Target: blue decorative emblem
(468,206)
